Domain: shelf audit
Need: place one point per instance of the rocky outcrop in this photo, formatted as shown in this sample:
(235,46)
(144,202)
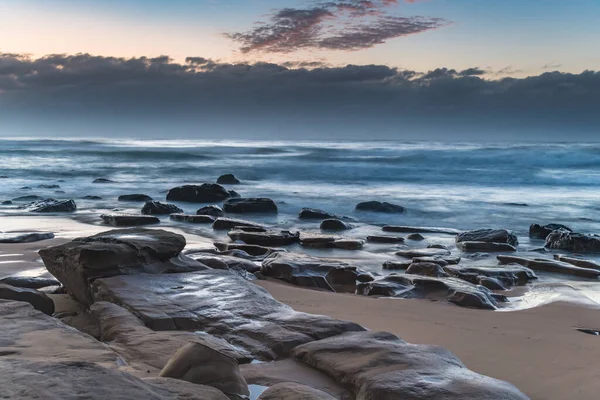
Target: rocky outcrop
(77,263)
(221,304)
(193,219)
(573,242)
(24,237)
(51,206)
(489,236)
(303,270)
(547,265)
(205,193)
(225,262)
(384,239)
(294,391)
(579,262)
(507,276)
(232,223)
(380,366)
(40,301)
(158,208)
(333,224)
(228,179)
(419,229)
(250,206)
(381,207)
(135,197)
(268,238)
(537,231)
(129,219)
(413,286)
(212,210)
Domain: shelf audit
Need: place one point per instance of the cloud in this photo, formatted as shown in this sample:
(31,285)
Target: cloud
(335,25)
(551,66)
(289,101)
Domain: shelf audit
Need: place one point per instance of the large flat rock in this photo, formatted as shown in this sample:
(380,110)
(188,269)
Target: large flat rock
(380,366)
(221,304)
(548,265)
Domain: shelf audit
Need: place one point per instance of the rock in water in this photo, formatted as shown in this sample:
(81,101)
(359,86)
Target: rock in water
(52,205)
(294,391)
(158,208)
(228,179)
(103,180)
(333,224)
(382,207)
(314,213)
(50,186)
(214,211)
(542,231)
(380,366)
(202,365)
(469,246)
(231,223)
(579,262)
(24,237)
(419,229)
(544,264)
(27,198)
(573,242)
(29,282)
(77,263)
(508,275)
(38,300)
(250,206)
(385,239)
(193,219)
(416,237)
(205,193)
(268,238)
(135,197)
(488,235)
(129,219)
(90,197)
(426,269)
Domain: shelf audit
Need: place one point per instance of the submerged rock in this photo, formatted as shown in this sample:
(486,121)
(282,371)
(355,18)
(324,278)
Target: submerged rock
(573,242)
(315,213)
(416,237)
(380,366)
(378,206)
(27,198)
(129,219)
(25,237)
(488,235)
(89,197)
(228,179)
(396,265)
(268,238)
(419,229)
(193,219)
(52,205)
(135,197)
(158,208)
(440,260)
(40,301)
(385,239)
(49,186)
(484,246)
(542,231)
(6,202)
(428,252)
(332,224)
(250,206)
(205,193)
(214,211)
(231,223)
(303,270)
(103,180)
(547,265)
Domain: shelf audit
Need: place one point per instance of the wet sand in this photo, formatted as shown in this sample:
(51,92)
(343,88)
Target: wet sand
(538,350)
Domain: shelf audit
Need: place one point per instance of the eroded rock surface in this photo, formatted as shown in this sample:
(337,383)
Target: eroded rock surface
(40,301)
(547,265)
(507,276)
(537,231)
(579,262)
(573,242)
(488,235)
(52,205)
(380,366)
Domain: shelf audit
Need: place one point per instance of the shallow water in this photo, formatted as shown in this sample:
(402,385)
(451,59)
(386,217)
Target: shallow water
(454,185)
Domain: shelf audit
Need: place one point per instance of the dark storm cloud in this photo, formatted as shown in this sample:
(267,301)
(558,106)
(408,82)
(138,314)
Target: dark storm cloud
(279,99)
(336,25)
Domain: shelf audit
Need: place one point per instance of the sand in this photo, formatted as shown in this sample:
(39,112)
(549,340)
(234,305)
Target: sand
(538,350)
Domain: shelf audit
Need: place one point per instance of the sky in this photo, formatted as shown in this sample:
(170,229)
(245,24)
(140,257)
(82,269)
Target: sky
(386,69)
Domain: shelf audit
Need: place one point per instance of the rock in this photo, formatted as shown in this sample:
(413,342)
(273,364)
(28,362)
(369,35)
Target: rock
(6,202)
(222,304)
(129,219)
(193,219)
(38,300)
(547,265)
(579,262)
(377,206)
(25,188)
(268,238)
(517,204)
(251,249)
(51,205)
(453,290)
(330,242)
(426,269)
(158,208)
(123,251)
(315,213)
(205,193)
(440,260)
(91,198)
(303,270)
(484,246)
(103,180)
(490,283)
(488,235)
(135,197)
(415,237)
(508,275)
(59,191)
(395,265)
(49,186)
(573,242)
(294,391)
(250,206)
(203,365)
(380,366)
(333,224)
(415,229)
(24,237)
(225,262)
(233,194)
(29,282)
(385,239)
(228,179)
(348,244)
(412,253)
(214,211)
(231,223)
(27,198)
(537,231)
